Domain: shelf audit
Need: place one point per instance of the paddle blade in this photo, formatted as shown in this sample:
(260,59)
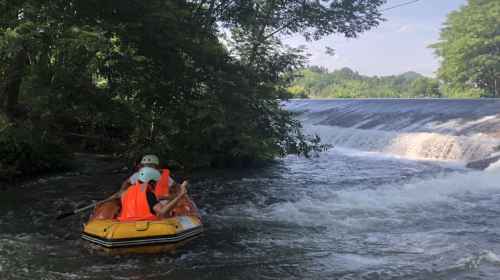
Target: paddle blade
(64,215)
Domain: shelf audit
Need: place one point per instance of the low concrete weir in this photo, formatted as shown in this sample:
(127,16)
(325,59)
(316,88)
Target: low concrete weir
(437,129)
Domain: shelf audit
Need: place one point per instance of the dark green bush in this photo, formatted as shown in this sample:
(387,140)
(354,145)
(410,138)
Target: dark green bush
(30,151)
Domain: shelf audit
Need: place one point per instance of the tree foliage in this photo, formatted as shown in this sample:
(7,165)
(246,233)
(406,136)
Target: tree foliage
(155,76)
(261,21)
(317,82)
(30,151)
(470,47)
(424,87)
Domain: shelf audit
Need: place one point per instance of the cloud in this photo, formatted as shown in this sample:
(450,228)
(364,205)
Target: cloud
(397,45)
(393,48)
(404,28)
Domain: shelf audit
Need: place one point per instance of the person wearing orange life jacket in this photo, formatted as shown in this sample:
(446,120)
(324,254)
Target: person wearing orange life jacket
(139,201)
(164,184)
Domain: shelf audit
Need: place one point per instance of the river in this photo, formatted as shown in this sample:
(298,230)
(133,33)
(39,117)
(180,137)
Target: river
(392,200)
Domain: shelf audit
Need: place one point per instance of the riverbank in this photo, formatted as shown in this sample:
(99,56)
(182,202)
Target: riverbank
(84,164)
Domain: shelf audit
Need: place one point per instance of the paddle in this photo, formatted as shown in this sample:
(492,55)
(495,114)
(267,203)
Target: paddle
(64,215)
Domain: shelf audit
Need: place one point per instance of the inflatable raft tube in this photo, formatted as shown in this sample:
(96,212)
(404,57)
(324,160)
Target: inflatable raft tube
(142,236)
(164,235)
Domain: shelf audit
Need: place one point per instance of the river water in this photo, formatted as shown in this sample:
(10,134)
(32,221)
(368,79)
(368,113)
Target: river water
(392,200)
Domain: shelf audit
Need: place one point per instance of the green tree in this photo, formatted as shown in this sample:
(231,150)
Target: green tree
(254,28)
(154,76)
(346,83)
(470,47)
(424,87)
(263,20)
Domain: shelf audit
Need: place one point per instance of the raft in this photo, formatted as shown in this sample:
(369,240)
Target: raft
(165,235)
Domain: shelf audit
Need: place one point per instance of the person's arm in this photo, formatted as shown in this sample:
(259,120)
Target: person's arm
(173,188)
(165,207)
(129,182)
(125,185)
(165,197)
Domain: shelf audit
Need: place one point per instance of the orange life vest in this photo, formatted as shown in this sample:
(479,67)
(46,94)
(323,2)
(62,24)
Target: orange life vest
(135,206)
(162,188)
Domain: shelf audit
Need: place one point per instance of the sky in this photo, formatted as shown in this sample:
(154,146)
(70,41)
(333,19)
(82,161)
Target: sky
(398,45)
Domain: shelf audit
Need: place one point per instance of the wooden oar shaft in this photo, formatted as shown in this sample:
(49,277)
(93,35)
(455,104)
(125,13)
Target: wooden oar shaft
(96,203)
(64,215)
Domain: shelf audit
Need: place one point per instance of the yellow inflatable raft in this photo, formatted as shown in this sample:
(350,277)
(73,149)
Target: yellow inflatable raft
(142,236)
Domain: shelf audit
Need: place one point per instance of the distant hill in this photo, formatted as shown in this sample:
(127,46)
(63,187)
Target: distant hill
(318,82)
(410,75)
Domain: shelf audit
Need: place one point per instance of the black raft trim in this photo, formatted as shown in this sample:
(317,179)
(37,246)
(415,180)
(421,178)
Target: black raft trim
(142,241)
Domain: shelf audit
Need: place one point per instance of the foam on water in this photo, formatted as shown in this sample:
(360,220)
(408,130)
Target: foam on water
(476,259)
(455,130)
(392,203)
(462,126)
(415,145)
(494,168)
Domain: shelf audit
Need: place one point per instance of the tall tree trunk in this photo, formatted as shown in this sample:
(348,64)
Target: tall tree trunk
(494,85)
(10,93)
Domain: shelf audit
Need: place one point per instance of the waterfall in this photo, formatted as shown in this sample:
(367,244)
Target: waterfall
(437,129)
